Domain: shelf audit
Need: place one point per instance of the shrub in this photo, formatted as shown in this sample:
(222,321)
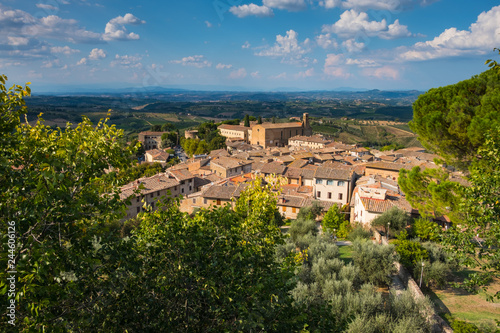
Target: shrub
(435,274)
(310,212)
(460,326)
(411,253)
(425,229)
(333,219)
(397,218)
(301,227)
(375,262)
(358,232)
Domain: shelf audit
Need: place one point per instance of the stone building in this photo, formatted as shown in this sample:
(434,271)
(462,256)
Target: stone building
(150,140)
(313,142)
(227,167)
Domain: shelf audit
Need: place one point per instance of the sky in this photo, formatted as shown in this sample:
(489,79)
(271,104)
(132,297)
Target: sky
(258,45)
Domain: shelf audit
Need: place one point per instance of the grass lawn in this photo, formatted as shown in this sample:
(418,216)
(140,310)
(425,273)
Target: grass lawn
(457,304)
(345,253)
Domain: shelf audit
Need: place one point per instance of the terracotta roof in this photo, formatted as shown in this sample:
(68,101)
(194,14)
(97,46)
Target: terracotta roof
(333,173)
(181,174)
(386,166)
(308,173)
(234,127)
(298,163)
(291,201)
(219,152)
(293,172)
(273,168)
(228,162)
(151,133)
(224,192)
(149,184)
(279,125)
(304,155)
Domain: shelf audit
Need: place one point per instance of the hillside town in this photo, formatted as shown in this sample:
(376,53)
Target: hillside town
(361,181)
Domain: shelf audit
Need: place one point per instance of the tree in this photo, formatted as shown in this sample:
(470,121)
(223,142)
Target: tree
(259,120)
(55,194)
(167,127)
(452,121)
(397,218)
(247,120)
(156,128)
(375,262)
(333,219)
(432,193)
(310,212)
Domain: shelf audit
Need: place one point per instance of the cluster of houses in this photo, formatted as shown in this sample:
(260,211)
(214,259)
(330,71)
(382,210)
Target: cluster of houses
(361,182)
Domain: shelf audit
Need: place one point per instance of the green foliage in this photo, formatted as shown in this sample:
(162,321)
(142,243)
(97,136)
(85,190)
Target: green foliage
(344,229)
(300,228)
(375,262)
(397,218)
(259,120)
(411,253)
(310,212)
(425,229)
(53,188)
(460,326)
(453,120)
(358,232)
(333,219)
(247,121)
(394,146)
(136,172)
(167,127)
(432,193)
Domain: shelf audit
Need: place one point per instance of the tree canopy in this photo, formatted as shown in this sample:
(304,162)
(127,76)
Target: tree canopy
(452,121)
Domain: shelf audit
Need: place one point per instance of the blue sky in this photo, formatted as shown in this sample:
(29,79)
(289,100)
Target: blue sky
(245,45)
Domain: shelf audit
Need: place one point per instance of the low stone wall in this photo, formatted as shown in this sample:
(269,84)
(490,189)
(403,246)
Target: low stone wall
(439,324)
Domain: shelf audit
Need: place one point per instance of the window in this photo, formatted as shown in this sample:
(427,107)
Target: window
(283,209)
(138,199)
(152,205)
(329,195)
(218,202)
(340,196)
(340,183)
(329,182)
(319,181)
(138,210)
(152,195)
(205,201)
(182,190)
(294,210)
(318,194)
(190,187)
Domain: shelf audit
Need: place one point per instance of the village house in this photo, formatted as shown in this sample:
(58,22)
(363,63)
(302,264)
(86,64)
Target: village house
(157,155)
(144,193)
(313,142)
(334,184)
(150,140)
(227,167)
(370,202)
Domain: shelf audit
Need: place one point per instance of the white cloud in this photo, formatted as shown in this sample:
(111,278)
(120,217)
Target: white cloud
(385,72)
(481,37)
(246,45)
(46,7)
(255,75)
(290,5)
(288,49)
(361,62)
(333,66)
(390,5)
(197,61)
(352,23)
(238,74)
(64,50)
(251,9)
(17,41)
(115,28)
(328,4)
(307,73)
(127,61)
(326,41)
(97,54)
(279,76)
(223,66)
(352,46)
(82,61)
(208,24)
